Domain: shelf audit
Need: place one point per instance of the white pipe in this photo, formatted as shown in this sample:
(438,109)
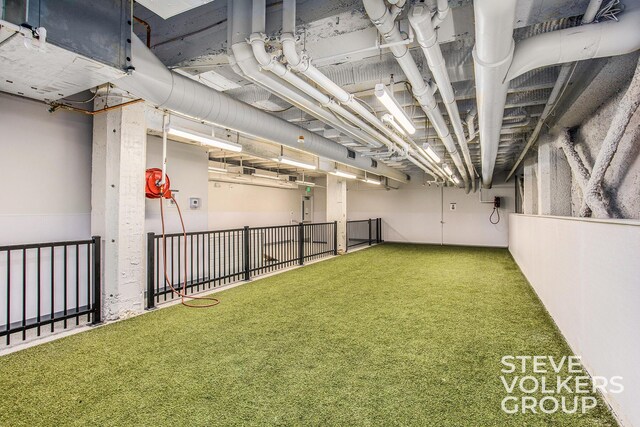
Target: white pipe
(244,62)
(153,82)
(578,43)
(303,65)
(470,120)
(441,12)
(165,130)
(591,12)
(267,62)
(492,55)
(629,27)
(384,22)
(420,20)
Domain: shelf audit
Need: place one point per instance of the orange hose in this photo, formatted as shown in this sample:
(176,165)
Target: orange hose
(164,261)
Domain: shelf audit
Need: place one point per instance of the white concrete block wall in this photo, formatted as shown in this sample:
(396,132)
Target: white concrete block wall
(586,273)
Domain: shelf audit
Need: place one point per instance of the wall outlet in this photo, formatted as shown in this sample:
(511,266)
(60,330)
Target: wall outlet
(194,203)
(452,206)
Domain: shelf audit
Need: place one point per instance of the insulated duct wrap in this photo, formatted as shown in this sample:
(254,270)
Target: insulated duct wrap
(153,82)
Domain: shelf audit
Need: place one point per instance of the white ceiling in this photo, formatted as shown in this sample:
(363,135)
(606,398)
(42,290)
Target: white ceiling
(168,8)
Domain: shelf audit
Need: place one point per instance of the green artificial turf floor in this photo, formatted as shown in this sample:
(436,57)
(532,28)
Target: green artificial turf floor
(392,335)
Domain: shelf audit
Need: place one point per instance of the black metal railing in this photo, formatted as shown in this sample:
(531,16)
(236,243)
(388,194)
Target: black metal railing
(216,258)
(49,284)
(364,232)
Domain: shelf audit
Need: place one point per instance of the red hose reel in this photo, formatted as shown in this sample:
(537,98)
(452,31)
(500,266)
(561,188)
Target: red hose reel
(152,187)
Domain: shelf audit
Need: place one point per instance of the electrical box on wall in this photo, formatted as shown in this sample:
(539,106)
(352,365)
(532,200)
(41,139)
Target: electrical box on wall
(452,206)
(171,202)
(194,203)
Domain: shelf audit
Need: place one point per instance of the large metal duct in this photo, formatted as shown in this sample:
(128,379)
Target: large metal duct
(153,82)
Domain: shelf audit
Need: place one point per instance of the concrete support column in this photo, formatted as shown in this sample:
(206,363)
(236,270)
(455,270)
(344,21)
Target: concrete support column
(118,205)
(530,199)
(554,180)
(337,208)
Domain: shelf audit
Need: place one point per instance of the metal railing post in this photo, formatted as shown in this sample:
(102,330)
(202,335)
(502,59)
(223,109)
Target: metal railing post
(301,243)
(151,268)
(97,285)
(335,237)
(247,251)
(369,231)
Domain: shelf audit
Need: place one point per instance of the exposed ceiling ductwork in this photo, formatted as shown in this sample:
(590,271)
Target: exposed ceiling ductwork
(320,74)
(169,90)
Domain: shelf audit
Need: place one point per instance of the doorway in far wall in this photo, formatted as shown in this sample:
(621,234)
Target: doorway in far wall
(306,214)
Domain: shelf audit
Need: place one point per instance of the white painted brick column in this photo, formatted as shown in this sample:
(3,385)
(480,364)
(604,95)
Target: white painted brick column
(337,207)
(118,205)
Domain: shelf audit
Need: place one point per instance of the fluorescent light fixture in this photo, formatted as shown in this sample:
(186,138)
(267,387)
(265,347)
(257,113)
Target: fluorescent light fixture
(338,172)
(215,169)
(456,180)
(447,169)
(383,94)
(206,140)
(431,152)
(308,184)
(296,163)
(371,181)
(388,118)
